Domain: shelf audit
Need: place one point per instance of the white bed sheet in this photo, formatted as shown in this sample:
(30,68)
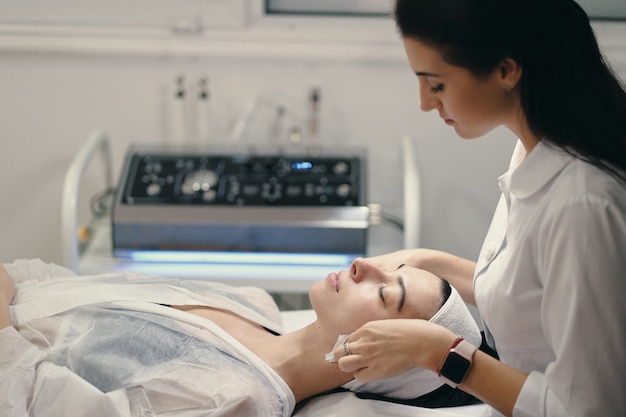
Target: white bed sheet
(346,404)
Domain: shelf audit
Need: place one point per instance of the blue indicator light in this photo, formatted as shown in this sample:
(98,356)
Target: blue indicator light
(301,166)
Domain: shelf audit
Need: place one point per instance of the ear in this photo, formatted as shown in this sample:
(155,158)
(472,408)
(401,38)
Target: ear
(510,72)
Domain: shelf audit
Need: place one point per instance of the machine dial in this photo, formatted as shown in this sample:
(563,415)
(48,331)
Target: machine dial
(343,190)
(153,189)
(341,168)
(201,180)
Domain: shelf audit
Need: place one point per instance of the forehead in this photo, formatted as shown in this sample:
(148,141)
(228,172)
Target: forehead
(423,57)
(423,293)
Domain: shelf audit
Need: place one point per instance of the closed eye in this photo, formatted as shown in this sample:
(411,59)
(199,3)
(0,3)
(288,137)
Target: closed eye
(436,89)
(381,294)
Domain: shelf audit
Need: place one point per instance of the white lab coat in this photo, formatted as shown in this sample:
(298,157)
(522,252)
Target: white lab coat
(550,284)
(104,346)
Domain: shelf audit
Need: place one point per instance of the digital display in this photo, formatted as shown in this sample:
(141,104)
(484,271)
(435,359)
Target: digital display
(301,166)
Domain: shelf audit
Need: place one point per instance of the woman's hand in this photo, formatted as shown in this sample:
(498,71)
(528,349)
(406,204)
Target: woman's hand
(7,288)
(418,258)
(391,261)
(386,348)
(411,257)
(7,292)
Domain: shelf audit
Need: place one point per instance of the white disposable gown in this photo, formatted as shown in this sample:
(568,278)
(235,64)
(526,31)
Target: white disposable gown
(109,345)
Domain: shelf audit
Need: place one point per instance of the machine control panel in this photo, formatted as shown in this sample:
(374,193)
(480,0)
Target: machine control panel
(242,180)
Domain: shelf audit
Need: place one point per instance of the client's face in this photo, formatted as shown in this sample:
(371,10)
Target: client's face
(346,300)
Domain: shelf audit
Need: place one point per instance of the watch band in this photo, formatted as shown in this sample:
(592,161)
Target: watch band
(456,362)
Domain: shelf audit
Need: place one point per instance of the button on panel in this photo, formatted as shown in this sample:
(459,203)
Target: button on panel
(243,180)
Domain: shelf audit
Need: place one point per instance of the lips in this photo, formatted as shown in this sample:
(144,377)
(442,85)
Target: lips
(446,120)
(333,280)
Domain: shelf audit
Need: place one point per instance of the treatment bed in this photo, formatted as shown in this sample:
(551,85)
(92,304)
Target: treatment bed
(110,345)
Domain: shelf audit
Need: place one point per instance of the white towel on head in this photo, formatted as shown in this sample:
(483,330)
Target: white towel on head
(455,315)
(416,382)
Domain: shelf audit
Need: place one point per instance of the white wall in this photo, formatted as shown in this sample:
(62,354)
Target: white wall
(55,90)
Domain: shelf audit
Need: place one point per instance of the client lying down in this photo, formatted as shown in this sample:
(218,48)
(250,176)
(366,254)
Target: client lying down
(125,344)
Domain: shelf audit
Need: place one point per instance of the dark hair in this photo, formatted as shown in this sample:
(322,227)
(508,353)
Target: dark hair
(569,94)
(446,290)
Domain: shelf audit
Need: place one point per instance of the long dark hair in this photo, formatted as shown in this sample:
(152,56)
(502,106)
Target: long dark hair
(569,94)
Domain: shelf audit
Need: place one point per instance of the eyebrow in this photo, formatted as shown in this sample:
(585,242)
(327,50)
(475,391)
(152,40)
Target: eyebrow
(427,74)
(402,288)
(402,292)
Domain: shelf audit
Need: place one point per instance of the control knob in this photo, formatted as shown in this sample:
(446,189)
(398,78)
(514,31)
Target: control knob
(201,180)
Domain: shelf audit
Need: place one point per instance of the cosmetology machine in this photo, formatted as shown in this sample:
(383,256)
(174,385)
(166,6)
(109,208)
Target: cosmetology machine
(173,201)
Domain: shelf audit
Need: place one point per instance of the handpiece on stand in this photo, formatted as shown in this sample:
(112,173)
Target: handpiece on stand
(179,115)
(314,121)
(203,116)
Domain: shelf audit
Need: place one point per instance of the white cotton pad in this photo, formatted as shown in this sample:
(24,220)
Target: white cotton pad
(330,356)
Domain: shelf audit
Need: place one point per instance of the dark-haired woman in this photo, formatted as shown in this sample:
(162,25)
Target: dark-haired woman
(551,276)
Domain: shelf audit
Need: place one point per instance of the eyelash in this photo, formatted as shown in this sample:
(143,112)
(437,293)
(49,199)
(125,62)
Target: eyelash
(383,285)
(436,89)
(380,291)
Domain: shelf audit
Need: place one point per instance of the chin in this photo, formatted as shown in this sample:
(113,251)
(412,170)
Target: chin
(469,135)
(464,133)
(315,293)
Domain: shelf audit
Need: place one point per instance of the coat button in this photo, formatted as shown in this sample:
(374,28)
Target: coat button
(490,252)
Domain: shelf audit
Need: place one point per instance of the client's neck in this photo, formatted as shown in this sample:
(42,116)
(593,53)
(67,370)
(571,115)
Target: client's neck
(299,358)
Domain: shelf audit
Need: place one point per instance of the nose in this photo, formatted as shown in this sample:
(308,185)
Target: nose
(363,269)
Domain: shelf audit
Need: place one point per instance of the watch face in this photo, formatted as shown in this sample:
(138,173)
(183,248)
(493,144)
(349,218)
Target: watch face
(455,367)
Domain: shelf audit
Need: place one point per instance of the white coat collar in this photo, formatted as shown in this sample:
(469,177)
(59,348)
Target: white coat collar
(542,164)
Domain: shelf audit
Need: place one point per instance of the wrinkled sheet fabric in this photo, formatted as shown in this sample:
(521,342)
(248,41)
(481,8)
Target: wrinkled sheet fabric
(109,346)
